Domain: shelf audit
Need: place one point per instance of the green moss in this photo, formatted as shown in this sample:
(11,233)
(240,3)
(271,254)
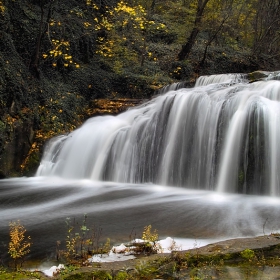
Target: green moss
(248,254)
(79,276)
(257,75)
(121,275)
(102,275)
(21,275)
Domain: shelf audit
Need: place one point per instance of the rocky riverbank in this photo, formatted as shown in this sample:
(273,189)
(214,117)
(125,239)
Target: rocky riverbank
(242,258)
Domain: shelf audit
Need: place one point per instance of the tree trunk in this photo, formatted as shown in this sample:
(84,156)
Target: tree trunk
(153,6)
(34,67)
(186,48)
(35,62)
(214,36)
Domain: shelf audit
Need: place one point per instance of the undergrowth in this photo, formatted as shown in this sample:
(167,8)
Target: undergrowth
(82,241)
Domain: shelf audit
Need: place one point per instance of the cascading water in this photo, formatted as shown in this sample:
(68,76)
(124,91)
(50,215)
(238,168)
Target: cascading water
(222,135)
(176,162)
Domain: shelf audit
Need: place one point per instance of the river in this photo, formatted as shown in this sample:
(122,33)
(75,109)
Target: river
(196,163)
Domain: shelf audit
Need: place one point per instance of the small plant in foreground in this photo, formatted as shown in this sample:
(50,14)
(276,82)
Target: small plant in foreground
(148,235)
(106,247)
(145,270)
(19,244)
(82,242)
(148,245)
(248,254)
(122,275)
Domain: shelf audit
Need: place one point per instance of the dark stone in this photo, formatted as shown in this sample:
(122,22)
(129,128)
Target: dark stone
(15,150)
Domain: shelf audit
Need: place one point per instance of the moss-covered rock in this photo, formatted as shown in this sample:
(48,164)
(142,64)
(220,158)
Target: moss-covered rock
(263,75)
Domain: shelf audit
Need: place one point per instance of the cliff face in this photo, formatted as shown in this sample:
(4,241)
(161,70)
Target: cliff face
(16,148)
(37,100)
(16,103)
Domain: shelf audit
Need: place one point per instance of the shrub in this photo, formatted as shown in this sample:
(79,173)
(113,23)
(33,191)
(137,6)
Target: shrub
(19,244)
(82,242)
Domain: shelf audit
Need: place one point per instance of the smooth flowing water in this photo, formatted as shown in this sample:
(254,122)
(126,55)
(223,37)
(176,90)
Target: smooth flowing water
(196,163)
(221,135)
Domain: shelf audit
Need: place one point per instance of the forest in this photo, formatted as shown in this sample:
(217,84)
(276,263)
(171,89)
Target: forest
(58,58)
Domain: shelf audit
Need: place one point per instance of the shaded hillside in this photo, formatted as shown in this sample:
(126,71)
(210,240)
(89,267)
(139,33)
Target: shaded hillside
(57,57)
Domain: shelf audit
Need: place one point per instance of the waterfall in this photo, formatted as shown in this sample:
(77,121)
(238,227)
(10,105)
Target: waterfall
(223,134)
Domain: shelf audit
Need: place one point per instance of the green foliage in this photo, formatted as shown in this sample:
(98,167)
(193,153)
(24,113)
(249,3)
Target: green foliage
(145,270)
(96,275)
(177,17)
(19,275)
(82,241)
(248,254)
(102,275)
(60,44)
(106,247)
(88,50)
(197,274)
(88,276)
(180,70)
(121,275)
(127,28)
